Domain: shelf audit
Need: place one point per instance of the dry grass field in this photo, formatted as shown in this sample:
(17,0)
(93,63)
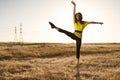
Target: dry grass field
(47,61)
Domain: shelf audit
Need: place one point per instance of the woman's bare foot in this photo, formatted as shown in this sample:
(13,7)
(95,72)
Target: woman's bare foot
(52,25)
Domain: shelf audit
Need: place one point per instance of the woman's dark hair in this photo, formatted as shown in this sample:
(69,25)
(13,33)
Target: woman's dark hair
(80,16)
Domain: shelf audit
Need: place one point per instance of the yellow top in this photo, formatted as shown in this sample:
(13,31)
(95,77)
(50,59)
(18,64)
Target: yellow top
(79,27)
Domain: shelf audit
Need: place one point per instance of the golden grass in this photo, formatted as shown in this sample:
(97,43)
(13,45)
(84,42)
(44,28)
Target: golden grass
(57,62)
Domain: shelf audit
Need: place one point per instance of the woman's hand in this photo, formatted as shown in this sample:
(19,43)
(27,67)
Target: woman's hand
(73,3)
(100,23)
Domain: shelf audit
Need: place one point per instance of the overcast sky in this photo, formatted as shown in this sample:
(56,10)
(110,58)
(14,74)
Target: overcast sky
(34,16)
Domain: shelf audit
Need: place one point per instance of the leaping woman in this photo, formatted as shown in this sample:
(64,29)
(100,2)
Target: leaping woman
(79,26)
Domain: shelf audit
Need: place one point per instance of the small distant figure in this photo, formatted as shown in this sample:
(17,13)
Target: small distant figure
(79,26)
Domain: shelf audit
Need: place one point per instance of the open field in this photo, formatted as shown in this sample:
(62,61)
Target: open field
(47,61)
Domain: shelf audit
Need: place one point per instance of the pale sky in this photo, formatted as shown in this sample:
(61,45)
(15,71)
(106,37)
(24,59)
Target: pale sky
(35,15)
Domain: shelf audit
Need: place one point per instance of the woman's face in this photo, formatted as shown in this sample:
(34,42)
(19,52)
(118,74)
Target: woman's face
(78,16)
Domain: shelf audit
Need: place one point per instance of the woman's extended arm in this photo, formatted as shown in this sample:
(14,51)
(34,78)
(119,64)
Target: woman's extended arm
(96,23)
(74,10)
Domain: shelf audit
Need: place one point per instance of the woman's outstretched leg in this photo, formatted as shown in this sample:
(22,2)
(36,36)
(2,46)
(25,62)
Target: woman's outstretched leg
(64,31)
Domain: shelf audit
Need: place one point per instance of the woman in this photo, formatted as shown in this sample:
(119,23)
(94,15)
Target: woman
(79,25)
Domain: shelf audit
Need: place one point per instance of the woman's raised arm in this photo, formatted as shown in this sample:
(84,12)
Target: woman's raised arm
(74,9)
